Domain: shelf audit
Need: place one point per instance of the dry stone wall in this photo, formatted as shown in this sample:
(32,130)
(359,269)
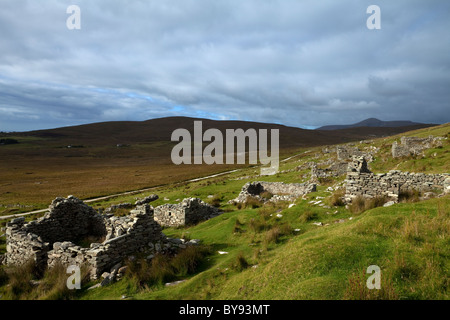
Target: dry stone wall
(52,239)
(361,182)
(281,191)
(189,211)
(414,145)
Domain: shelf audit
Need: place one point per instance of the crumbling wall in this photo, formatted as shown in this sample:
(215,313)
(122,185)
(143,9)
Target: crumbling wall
(51,239)
(414,146)
(347,152)
(189,211)
(361,182)
(281,191)
(69,219)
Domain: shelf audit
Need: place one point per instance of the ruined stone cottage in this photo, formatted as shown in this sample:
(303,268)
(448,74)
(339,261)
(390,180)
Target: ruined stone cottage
(360,181)
(189,211)
(57,237)
(414,145)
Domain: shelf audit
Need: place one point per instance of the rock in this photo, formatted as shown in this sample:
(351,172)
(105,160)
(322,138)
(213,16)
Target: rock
(148,199)
(222,252)
(116,267)
(122,270)
(194,241)
(169,284)
(388,204)
(98,285)
(108,279)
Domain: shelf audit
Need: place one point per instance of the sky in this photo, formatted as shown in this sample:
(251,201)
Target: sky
(298,63)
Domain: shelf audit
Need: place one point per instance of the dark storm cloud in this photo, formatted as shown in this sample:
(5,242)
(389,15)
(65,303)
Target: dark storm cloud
(300,63)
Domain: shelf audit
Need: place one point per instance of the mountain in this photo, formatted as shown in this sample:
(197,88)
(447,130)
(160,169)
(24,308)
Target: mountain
(156,130)
(373,123)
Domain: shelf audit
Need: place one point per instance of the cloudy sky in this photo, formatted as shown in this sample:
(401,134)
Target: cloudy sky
(293,62)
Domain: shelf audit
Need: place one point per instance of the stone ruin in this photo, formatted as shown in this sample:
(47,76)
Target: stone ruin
(334,170)
(189,211)
(414,146)
(347,152)
(281,191)
(139,202)
(58,237)
(360,181)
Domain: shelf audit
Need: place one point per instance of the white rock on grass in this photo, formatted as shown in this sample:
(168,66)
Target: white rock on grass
(388,204)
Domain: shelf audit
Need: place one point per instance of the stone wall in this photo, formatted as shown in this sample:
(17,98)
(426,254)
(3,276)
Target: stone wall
(361,182)
(190,211)
(334,170)
(51,239)
(281,191)
(414,145)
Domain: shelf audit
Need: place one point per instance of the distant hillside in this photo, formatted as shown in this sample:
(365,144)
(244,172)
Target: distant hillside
(375,123)
(132,132)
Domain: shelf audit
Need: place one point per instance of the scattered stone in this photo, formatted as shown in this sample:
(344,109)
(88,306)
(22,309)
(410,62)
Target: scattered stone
(222,252)
(318,223)
(146,200)
(170,284)
(280,191)
(388,204)
(95,286)
(114,207)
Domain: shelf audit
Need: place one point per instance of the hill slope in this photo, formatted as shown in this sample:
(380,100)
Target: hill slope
(374,123)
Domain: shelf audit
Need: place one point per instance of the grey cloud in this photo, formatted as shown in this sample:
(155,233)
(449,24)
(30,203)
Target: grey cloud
(300,63)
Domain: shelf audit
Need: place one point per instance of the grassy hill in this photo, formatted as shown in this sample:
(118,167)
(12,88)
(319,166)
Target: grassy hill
(277,252)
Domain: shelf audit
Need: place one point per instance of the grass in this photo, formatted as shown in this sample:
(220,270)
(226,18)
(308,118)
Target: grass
(361,204)
(23,282)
